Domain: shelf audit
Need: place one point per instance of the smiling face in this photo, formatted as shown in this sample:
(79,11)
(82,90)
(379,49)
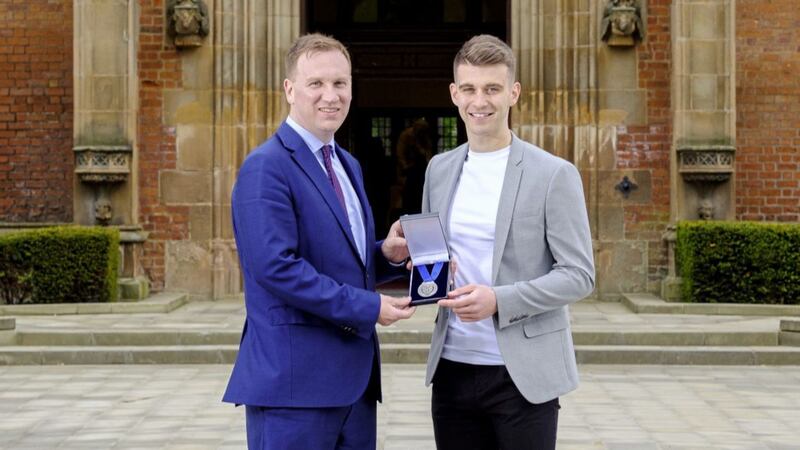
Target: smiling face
(319,92)
(484,95)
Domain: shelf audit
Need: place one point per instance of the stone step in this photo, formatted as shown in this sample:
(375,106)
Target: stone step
(789,338)
(792,325)
(159,303)
(790,332)
(7,323)
(651,304)
(77,355)
(7,333)
(183,337)
(143,338)
(675,338)
(723,356)
(395,354)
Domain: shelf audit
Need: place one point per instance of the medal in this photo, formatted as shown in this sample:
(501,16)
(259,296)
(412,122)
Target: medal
(428,286)
(427,289)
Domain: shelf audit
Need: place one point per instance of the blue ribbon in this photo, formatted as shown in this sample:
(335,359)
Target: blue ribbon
(427,276)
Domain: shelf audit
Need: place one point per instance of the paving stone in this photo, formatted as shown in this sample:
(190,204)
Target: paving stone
(616,407)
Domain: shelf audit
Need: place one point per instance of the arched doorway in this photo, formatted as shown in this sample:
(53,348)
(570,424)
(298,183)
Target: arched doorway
(402,52)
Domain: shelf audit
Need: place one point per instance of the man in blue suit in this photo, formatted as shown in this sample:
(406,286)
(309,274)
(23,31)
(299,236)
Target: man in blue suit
(308,367)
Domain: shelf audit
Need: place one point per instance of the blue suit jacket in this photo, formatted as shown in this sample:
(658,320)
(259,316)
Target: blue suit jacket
(309,337)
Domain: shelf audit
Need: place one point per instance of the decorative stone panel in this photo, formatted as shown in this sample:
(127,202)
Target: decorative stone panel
(706,163)
(102,164)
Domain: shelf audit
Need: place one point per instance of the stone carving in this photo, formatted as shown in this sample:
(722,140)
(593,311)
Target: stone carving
(102,164)
(706,210)
(102,168)
(707,170)
(103,212)
(188,22)
(626,186)
(622,23)
(706,163)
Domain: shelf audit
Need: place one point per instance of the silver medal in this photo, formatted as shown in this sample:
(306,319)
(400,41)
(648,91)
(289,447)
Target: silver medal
(427,289)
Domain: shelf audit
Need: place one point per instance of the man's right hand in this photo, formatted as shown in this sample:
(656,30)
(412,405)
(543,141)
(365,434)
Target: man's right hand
(394,309)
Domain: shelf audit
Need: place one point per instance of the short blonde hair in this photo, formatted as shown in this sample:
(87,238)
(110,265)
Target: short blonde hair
(486,50)
(311,44)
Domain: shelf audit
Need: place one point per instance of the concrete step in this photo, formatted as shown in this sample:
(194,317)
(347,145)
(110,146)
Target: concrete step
(792,325)
(7,323)
(396,354)
(675,338)
(790,332)
(722,356)
(7,333)
(651,304)
(625,354)
(163,302)
(143,338)
(390,336)
(77,355)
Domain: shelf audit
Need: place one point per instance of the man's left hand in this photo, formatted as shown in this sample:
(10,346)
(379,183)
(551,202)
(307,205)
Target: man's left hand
(472,302)
(394,247)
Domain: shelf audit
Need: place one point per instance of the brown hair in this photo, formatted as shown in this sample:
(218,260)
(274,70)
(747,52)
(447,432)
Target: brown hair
(486,50)
(312,43)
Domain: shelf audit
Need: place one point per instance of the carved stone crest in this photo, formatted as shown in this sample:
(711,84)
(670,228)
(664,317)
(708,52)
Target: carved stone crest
(188,22)
(706,210)
(103,211)
(622,23)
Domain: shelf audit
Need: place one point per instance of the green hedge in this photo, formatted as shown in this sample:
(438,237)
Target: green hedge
(59,265)
(739,262)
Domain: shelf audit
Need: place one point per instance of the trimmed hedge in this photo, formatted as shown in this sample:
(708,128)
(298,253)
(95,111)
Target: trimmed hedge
(59,265)
(739,262)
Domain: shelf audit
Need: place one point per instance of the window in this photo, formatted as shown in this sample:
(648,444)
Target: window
(447,128)
(381,128)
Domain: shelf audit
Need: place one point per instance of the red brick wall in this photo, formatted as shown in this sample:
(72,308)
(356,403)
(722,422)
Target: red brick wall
(36,161)
(647,148)
(768,110)
(159,69)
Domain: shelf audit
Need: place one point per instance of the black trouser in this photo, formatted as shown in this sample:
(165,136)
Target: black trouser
(479,407)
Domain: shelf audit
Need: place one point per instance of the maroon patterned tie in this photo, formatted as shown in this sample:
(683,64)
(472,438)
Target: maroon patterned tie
(326,157)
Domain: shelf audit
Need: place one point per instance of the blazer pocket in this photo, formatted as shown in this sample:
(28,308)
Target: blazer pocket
(527,222)
(536,326)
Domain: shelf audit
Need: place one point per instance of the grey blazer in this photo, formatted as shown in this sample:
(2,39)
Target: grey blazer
(542,262)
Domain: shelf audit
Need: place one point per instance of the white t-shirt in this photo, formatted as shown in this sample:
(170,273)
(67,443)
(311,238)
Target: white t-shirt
(472,226)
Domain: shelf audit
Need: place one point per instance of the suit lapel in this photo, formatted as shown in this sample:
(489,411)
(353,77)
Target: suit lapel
(304,158)
(508,198)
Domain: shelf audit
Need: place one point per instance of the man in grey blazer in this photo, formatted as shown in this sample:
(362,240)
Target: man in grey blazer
(516,224)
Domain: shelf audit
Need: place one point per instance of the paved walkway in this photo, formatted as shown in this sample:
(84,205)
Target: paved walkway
(616,407)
